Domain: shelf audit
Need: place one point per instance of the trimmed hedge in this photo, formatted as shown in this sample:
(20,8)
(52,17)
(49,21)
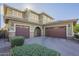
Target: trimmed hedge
(17,41)
(33,50)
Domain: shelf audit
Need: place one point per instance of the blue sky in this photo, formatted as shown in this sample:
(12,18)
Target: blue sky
(60,11)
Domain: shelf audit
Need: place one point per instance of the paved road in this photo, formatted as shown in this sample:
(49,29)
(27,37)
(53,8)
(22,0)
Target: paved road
(65,47)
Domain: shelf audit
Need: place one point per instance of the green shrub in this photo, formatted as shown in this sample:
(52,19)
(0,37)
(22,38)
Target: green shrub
(4,34)
(33,50)
(76,28)
(17,41)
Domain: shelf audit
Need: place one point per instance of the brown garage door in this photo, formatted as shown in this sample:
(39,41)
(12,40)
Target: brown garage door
(22,31)
(56,32)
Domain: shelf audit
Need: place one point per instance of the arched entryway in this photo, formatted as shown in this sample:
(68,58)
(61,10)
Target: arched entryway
(37,32)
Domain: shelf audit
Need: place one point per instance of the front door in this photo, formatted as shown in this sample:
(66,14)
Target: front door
(37,32)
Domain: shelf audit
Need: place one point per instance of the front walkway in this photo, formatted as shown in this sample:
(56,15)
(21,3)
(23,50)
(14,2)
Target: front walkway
(65,47)
(4,48)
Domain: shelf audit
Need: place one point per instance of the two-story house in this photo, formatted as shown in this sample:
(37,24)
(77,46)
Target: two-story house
(29,24)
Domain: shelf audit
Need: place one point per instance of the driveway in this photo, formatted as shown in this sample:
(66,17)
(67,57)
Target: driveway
(64,46)
(4,48)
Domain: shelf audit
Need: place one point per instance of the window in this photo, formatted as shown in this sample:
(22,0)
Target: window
(14,13)
(19,14)
(9,11)
(34,18)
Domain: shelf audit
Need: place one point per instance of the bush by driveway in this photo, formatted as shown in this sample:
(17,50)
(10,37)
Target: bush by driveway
(17,41)
(33,50)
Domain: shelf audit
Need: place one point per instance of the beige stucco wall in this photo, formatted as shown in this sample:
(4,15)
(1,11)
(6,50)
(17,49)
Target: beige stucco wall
(37,18)
(31,27)
(69,28)
(46,19)
(28,15)
(32,16)
(14,13)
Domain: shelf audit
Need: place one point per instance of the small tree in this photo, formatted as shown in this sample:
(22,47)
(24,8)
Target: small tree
(76,28)
(3,34)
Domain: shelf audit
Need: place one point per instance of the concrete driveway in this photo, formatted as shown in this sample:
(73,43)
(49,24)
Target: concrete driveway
(64,46)
(4,48)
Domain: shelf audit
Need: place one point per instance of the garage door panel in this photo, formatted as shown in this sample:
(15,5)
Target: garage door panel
(22,31)
(56,32)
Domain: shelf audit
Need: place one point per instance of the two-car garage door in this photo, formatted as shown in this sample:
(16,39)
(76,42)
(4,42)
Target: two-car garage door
(22,31)
(59,32)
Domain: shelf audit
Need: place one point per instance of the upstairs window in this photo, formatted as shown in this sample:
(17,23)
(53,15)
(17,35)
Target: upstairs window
(9,11)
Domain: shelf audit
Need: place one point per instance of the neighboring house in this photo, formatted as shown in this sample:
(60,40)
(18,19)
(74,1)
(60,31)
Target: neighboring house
(32,24)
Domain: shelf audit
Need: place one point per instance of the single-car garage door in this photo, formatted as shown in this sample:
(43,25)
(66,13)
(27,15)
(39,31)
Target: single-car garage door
(22,31)
(59,32)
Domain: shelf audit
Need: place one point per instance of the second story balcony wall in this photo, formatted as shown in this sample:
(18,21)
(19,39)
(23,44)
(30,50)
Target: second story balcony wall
(45,18)
(32,16)
(12,13)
